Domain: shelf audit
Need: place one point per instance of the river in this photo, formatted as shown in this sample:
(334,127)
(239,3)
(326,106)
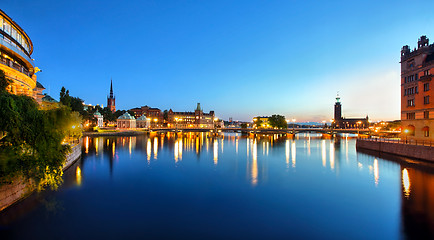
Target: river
(194,186)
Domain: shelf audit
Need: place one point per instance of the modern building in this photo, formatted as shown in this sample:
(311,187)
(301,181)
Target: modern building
(342,123)
(417,105)
(126,121)
(143,122)
(196,119)
(99,118)
(111,100)
(15,57)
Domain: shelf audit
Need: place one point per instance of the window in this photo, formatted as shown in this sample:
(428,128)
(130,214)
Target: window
(426,100)
(405,79)
(426,87)
(416,90)
(426,114)
(417,76)
(411,115)
(425,131)
(410,103)
(426,72)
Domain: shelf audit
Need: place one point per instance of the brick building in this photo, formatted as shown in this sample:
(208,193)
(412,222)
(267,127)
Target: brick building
(417,107)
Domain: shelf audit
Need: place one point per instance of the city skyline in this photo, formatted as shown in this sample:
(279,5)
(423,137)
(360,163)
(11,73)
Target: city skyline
(239,59)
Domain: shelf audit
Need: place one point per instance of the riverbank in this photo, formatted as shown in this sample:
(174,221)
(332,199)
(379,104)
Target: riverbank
(19,188)
(422,151)
(115,133)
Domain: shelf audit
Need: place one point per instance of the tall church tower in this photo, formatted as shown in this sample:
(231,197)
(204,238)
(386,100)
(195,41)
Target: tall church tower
(111,100)
(338,109)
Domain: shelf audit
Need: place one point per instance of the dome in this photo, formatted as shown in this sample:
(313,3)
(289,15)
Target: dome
(142,118)
(127,116)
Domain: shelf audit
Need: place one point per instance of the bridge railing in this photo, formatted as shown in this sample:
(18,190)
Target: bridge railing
(429,143)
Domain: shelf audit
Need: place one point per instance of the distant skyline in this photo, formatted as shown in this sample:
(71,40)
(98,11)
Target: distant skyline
(238,58)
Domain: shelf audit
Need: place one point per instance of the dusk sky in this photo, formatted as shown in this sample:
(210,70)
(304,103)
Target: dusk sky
(238,58)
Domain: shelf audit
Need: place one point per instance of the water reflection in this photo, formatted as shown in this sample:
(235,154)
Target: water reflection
(399,195)
(405,182)
(78,175)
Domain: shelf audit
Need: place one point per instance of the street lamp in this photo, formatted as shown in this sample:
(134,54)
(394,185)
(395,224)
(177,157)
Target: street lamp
(293,125)
(406,133)
(358,127)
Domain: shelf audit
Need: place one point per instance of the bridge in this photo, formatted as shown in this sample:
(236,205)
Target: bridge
(330,131)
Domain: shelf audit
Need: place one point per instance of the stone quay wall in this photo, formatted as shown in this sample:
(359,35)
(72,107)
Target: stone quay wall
(19,188)
(421,152)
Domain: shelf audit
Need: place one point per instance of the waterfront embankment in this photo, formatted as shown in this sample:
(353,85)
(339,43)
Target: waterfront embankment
(419,150)
(19,188)
(115,133)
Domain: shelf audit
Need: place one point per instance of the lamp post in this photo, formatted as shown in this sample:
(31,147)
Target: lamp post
(155,120)
(293,125)
(176,124)
(358,128)
(406,133)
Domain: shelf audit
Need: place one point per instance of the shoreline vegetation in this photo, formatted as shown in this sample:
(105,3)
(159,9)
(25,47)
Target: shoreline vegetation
(34,142)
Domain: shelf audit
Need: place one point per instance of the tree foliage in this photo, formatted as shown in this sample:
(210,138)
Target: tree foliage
(31,139)
(277,121)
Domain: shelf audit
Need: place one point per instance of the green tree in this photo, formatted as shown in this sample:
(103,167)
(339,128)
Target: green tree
(277,121)
(65,99)
(243,125)
(31,142)
(4,81)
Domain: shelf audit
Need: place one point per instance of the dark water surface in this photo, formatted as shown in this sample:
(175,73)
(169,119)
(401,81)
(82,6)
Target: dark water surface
(233,187)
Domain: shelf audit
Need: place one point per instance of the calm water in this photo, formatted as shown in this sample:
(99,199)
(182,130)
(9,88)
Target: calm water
(231,187)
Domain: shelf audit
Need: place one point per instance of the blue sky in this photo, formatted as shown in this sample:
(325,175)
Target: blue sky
(238,58)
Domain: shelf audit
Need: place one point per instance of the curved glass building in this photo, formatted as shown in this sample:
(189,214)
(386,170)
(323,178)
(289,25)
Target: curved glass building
(15,56)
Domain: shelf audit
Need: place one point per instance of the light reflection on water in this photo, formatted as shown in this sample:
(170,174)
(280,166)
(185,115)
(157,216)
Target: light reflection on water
(256,183)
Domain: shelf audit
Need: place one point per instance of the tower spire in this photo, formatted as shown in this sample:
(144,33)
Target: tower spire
(111,88)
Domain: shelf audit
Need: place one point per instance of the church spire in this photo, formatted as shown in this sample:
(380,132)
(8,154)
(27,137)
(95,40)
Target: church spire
(111,88)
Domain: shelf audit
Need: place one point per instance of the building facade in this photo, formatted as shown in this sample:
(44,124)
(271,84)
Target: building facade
(111,100)
(99,119)
(15,57)
(417,106)
(154,115)
(196,119)
(261,122)
(345,123)
(143,122)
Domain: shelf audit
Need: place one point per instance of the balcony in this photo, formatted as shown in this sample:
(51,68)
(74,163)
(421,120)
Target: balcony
(15,66)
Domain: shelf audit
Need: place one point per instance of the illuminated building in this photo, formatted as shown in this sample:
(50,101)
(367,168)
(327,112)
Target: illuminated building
(99,118)
(48,102)
(417,105)
(126,121)
(111,100)
(196,119)
(15,57)
(154,115)
(261,122)
(143,122)
(340,122)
